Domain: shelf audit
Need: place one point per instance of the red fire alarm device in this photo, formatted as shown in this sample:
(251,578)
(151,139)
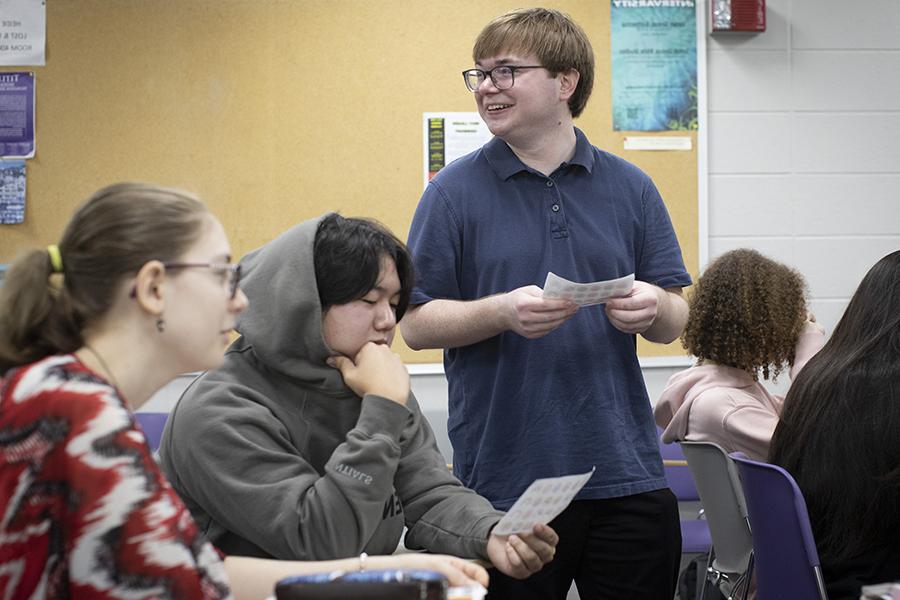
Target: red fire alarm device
(738,15)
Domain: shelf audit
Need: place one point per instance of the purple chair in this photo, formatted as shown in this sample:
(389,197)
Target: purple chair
(152,423)
(784,552)
(695,538)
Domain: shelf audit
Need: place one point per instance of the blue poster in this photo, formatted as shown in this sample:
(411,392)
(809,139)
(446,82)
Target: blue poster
(654,65)
(16,115)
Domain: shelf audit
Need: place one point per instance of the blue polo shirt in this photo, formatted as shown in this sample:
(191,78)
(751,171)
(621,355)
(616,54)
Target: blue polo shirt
(523,409)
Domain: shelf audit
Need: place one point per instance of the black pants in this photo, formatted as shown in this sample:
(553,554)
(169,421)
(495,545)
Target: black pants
(616,549)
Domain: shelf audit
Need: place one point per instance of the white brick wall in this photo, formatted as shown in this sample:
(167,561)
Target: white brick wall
(804,127)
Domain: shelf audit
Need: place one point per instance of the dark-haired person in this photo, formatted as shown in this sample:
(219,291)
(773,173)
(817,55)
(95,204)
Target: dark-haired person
(839,436)
(538,388)
(747,318)
(307,443)
(141,276)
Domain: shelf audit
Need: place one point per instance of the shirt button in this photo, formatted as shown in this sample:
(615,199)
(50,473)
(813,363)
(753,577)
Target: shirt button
(555,208)
(549,183)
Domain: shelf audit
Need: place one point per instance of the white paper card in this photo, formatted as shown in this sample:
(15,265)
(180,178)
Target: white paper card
(587,294)
(541,502)
(657,143)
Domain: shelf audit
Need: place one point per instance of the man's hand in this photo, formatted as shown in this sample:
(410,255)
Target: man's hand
(529,314)
(637,311)
(520,556)
(377,370)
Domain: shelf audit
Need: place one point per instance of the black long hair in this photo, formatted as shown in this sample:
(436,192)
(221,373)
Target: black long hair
(839,434)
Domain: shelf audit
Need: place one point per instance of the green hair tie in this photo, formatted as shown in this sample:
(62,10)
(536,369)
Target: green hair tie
(55,258)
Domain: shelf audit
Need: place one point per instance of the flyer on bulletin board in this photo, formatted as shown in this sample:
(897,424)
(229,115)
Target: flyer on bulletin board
(450,135)
(16,115)
(12,192)
(654,65)
(23,32)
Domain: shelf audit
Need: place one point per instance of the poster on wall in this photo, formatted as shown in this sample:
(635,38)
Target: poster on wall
(449,135)
(23,26)
(16,115)
(12,192)
(654,65)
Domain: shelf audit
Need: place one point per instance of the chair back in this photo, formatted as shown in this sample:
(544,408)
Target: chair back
(784,550)
(723,504)
(678,476)
(695,538)
(153,424)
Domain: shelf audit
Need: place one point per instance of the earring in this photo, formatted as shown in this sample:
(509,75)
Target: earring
(160,325)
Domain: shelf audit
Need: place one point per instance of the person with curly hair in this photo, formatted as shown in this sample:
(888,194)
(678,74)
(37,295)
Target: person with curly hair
(839,437)
(747,318)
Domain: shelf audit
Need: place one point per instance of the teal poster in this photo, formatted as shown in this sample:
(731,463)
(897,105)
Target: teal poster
(654,65)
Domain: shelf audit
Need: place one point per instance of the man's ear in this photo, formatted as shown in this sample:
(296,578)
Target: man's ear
(568,83)
(148,287)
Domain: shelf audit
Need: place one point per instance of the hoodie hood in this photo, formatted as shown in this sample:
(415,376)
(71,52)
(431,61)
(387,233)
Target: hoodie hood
(283,323)
(673,409)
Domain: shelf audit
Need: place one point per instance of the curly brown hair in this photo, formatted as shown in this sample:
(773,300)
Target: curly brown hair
(746,311)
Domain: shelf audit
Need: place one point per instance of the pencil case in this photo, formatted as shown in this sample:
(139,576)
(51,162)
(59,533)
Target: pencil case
(394,584)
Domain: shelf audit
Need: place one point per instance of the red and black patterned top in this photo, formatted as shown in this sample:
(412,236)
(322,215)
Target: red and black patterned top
(84,510)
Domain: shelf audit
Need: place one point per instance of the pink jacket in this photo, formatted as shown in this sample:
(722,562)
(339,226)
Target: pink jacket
(724,405)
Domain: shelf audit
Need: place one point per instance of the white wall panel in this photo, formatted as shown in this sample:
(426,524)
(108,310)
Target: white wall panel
(846,204)
(861,24)
(753,81)
(833,267)
(749,143)
(848,143)
(842,80)
(750,205)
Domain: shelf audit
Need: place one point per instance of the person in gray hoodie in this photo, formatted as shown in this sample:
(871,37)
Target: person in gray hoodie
(306,443)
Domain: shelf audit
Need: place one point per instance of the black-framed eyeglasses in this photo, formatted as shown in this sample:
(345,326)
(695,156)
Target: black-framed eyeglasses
(503,77)
(232,272)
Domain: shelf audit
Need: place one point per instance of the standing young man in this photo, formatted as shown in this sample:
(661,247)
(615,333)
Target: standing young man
(539,388)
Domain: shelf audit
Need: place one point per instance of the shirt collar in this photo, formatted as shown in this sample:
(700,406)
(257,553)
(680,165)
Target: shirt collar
(505,163)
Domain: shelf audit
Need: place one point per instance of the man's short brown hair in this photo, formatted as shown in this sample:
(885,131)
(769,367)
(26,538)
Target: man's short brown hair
(557,41)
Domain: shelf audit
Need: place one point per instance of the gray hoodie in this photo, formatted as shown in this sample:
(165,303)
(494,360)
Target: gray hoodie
(276,457)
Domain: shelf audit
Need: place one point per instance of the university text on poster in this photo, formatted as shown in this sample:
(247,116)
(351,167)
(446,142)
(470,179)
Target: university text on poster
(654,65)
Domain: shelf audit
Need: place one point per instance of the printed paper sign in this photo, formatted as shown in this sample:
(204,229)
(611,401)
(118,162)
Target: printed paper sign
(587,294)
(541,502)
(450,135)
(16,114)
(23,32)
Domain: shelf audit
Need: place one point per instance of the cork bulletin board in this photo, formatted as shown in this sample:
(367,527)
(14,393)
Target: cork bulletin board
(275,111)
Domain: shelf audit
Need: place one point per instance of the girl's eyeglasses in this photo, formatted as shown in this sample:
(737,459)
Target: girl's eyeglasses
(232,271)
